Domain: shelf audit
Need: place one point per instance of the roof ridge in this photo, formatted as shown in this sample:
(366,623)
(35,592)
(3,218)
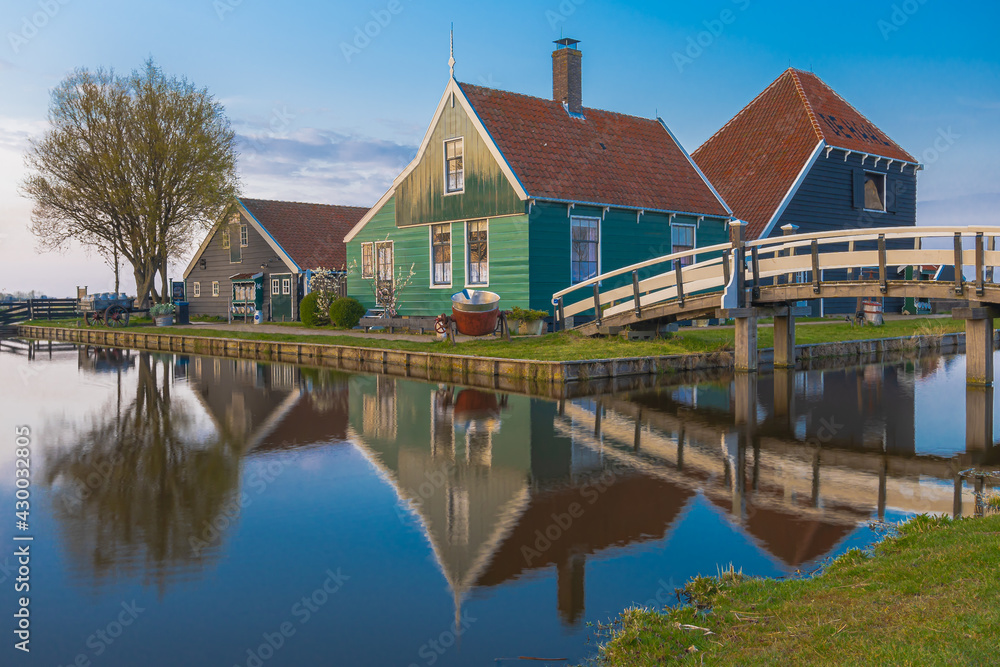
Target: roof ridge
(302,203)
(805,101)
(545,99)
(740,112)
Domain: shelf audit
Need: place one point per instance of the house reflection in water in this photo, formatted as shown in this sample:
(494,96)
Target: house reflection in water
(504,485)
(268,407)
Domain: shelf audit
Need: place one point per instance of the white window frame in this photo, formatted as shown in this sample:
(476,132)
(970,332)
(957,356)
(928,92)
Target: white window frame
(215,288)
(275,286)
(694,240)
(599,233)
(371,268)
(226,241)
(392,268)
(286,286)
(885,186)
(196,289)
(451,261)
(244,236)
(489,253)
(444,153)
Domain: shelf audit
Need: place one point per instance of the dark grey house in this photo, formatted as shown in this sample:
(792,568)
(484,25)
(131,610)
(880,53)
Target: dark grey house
(259,255)
(799,154)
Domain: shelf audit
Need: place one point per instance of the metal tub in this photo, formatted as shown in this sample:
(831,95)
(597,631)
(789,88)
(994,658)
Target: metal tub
(475,312)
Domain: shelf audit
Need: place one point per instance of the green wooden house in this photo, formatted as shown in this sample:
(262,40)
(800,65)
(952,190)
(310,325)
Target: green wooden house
(526,196)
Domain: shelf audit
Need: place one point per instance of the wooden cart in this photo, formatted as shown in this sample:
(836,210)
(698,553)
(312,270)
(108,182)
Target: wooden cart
(107,309)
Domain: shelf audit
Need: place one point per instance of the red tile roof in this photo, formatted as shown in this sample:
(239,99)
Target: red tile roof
(604,158)
(755,158)
(312,234)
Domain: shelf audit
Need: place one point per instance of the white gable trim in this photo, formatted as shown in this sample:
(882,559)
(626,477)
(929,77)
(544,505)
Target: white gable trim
(204,245)
(903,163)
(370,214)
(270,239)
(696,167)
(452,89)
(456,90)
(793,189)
(248,216)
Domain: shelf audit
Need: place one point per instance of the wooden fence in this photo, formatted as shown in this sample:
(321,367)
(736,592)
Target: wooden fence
(12,312)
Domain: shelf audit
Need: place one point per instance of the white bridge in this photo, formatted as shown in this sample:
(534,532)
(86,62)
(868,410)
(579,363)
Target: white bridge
(778,272)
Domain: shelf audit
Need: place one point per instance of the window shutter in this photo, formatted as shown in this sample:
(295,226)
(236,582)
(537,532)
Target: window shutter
(859,188)
(893,190)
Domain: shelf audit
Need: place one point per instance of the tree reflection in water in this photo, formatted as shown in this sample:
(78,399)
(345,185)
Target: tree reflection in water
(136,491)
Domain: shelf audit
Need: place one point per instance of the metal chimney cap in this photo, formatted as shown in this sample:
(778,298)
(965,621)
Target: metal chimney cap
(567,42)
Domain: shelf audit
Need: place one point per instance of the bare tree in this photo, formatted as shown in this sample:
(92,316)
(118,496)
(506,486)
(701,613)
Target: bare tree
(132,166)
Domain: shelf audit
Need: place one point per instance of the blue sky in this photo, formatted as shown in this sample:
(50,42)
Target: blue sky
(329,117)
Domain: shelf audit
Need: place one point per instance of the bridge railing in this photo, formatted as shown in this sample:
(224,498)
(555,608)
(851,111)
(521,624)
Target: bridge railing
(676,282)
(785,260)
(776,261)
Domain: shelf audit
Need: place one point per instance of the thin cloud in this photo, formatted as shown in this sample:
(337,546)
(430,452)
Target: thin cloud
(318,165)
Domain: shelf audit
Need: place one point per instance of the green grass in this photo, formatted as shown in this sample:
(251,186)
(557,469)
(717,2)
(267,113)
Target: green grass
(836,332)
(570,346)
(928,596)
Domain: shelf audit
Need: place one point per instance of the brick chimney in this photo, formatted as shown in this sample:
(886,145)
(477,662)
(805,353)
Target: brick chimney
(567,75)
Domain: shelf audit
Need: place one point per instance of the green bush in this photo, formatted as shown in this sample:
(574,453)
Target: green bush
(527,315)
(345,313)
(309,313)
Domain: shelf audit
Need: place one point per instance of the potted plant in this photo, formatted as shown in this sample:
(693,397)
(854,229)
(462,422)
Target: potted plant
(529,322)
(162,314)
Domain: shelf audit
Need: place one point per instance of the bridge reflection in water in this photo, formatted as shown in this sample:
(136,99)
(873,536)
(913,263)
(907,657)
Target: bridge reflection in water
(504,485)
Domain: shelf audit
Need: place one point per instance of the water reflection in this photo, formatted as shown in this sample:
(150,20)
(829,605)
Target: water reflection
(536,516)
(143,489)
(135,485)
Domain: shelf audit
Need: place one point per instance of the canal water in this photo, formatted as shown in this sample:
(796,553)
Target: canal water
(192,510)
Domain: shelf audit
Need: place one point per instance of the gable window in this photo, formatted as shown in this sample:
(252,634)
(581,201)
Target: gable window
(681,239)
(454,166)
(441,254)
(383,261)
(197,289)
(215,288)
(478,253)
(225,239)
(275,287)
(585,251)
(244,236)
(367,262)
(874,191)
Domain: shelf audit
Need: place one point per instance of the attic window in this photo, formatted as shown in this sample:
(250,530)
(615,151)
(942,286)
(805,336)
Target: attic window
(874,191)
(454,166)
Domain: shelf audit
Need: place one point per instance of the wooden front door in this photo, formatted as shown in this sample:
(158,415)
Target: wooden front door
(281,296)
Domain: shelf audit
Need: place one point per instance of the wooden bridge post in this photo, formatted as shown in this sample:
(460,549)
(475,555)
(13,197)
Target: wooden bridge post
(978,419)
(784,338)
(978,344)
(746,339)
(789,230)
(736,231)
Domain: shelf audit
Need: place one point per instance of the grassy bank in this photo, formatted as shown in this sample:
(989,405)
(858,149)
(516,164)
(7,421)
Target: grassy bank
(929,596)
(570,346)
